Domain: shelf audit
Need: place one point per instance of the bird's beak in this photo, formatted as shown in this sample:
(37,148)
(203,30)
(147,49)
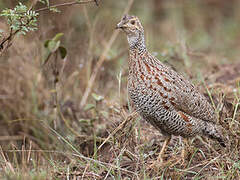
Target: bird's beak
(120,25)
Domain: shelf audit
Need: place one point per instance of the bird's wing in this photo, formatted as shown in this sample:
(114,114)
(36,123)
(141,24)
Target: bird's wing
(183,96)
(188,99)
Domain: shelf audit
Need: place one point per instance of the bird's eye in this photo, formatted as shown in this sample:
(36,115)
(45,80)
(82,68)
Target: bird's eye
(133,22)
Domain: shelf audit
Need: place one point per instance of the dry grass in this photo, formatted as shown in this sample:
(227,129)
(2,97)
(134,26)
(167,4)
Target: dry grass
(99,137)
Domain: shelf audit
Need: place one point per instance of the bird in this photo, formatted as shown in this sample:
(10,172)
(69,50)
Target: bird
(163,97)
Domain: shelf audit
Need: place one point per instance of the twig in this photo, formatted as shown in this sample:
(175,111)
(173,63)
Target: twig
(85,170)
(7,163)
(206,166)
(10,38)
(101,60)
(127,119)
(67,4)
(100,163)
(76,153)
(104,164)
(7,40)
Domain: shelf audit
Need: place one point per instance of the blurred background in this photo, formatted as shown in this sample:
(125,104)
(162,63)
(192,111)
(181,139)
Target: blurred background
(199,38)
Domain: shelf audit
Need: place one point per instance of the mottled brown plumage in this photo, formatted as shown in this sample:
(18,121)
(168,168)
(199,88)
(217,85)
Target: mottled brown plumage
(162,96)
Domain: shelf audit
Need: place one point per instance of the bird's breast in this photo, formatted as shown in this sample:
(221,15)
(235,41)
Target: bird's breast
(146,99)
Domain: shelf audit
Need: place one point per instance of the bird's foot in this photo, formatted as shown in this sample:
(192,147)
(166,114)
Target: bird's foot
(159,162)
(179,160)
(156,164)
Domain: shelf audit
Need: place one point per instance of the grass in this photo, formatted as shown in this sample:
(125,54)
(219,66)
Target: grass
(93,133)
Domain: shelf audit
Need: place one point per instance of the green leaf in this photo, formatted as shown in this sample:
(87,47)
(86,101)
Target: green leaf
(46,43)
(97,97)
(53,45)
(46,56)
(20,18)
(57,37)
(63,51)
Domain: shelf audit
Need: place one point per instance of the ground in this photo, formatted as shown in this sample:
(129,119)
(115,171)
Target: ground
(83,127)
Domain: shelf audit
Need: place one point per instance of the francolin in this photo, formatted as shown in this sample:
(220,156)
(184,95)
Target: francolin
(162,96)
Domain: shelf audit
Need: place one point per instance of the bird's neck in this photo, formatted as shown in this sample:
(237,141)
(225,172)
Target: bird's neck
(136,53)
(137,43)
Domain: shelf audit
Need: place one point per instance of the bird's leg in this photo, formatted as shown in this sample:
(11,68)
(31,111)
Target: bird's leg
(183,153)
(181,159)
(159,161)
(165,144)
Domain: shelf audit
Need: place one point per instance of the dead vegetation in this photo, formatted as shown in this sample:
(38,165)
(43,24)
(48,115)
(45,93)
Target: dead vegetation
(90,131)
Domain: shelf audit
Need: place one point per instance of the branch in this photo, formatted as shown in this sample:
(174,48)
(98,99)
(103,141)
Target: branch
(9,39)
(68,4)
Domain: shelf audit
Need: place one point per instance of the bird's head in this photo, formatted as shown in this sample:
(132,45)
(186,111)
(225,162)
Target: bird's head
(133,28)
(130,25)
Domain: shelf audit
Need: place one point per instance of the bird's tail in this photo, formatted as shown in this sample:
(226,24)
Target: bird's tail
(214,132)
